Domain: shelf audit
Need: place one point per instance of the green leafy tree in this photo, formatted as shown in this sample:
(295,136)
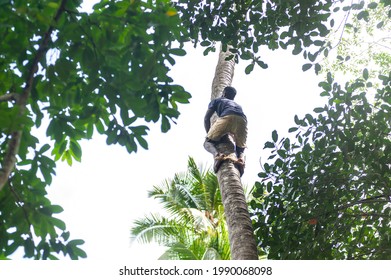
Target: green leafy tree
(325,194)
(84,73)
(195,227)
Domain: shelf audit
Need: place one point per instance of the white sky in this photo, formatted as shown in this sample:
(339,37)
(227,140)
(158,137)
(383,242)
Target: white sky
(104,194)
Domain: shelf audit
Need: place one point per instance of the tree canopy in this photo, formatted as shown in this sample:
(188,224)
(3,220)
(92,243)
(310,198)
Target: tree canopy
(73,74)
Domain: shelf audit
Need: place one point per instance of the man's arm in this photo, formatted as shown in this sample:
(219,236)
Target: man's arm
(208,115)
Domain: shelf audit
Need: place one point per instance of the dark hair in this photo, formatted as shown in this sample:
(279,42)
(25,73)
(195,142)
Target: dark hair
(229,92)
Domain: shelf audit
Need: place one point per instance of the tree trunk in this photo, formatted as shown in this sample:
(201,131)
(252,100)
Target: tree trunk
(241,234)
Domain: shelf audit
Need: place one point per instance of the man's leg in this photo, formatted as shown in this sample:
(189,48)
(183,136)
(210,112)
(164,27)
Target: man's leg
(240,163)
(240,152)
(210,146)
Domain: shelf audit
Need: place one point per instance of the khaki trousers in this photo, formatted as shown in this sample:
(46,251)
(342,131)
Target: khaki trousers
(234,125)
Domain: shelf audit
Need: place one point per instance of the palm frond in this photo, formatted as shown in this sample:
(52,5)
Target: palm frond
(178,251)
(155,228)
(211,254)
(213,190)
(196,228)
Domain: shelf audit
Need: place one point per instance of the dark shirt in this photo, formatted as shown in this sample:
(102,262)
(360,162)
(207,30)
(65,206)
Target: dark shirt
(224,106)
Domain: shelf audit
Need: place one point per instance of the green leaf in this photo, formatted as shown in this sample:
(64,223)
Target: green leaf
(44,148)
(281,153)
(56,209)
(269,145)
(178,52)
(297,49)
(372,5)
(363,15)
(181,97)
(317,68)
(29,248)
(380,24)
(292,129)
(274,136)
(319,109)
(297,120)
(76,150)
(165,124)
(306,66)
(58,223)
(142,142)
(365,74)
(249,68)
(330,78)
(76,242)
(262,64)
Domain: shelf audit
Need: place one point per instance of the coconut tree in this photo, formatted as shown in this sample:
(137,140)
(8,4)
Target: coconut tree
(193,227)
(241,236)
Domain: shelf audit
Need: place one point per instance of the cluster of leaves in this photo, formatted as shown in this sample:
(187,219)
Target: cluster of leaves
(363,40)
(248,25)
(195,228)
(27,217)
(327,194)
(114,62)
(91,72)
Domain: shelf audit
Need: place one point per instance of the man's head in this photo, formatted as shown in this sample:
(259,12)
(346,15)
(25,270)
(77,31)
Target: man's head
(229,92)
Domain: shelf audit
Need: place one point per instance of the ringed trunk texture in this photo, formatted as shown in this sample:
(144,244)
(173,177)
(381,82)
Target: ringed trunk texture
(241,234)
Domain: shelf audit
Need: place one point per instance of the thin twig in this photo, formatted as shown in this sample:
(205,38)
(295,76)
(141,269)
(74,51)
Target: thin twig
(374,199)
(22,205)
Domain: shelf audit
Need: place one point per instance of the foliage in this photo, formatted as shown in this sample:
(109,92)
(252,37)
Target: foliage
(84,73)
(195,228)
(361,41)
(325,193)
(249,25)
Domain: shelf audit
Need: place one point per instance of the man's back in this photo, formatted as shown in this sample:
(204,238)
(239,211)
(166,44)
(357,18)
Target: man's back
(224,107)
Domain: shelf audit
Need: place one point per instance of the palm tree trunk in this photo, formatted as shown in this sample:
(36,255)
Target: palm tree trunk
(241,235)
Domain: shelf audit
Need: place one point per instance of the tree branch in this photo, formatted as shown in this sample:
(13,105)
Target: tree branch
(374,199)
(14,142)
(8,97)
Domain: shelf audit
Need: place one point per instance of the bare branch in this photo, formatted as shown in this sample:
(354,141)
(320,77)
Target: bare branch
(375,199)
(10,157)
(7,97)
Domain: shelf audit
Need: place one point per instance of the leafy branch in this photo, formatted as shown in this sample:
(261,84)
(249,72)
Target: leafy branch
(15,137)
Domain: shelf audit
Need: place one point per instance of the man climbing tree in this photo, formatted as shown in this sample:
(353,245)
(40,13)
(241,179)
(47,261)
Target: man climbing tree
(232,121)
(240,231)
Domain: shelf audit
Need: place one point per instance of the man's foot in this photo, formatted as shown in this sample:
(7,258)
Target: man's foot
(240,164)
(219,158)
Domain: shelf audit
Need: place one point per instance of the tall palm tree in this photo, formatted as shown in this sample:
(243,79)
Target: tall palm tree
(241,235)
(194,227)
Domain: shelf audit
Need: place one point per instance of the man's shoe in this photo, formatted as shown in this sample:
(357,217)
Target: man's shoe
(240,164)
(218,161)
